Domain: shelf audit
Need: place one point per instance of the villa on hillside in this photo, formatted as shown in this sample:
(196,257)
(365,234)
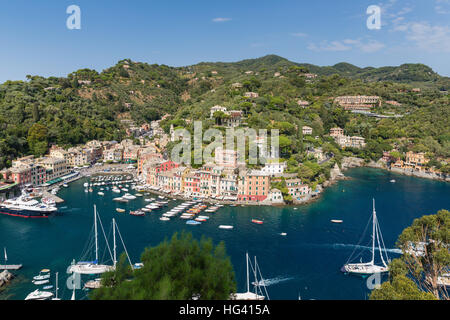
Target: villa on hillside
(358,102)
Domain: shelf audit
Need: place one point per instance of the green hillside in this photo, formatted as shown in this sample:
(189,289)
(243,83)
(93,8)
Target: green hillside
(88,104)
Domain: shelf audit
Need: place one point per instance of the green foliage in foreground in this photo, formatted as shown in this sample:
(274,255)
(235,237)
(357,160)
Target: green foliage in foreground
(414,276)
(178,269)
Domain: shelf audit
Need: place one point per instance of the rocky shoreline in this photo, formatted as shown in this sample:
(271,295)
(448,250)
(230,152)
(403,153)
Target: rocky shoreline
(5,278)
(353,162)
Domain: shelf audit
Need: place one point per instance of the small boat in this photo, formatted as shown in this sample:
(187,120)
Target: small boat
(39,282)
(283,234)
(146,209)
(128,196)
(90,190)
(47,287)
(39,295)
(100,193)
(93,284)
(225,227)
(138,265)
(336,221)
(192,222)
(120,210)
(199,219)
(65,185)
(257,221)
(164,219)
(137,213)
(392,181)
(43,275)
(86,190)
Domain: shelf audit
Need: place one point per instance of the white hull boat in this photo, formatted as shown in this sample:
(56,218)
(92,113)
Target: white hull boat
(89,268)
(39,295)
(367,268)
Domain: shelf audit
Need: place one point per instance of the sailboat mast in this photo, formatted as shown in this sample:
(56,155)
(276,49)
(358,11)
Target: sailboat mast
(374,217)
(248,281)
(114,237)
(95,228)
(56,293)
(256,279)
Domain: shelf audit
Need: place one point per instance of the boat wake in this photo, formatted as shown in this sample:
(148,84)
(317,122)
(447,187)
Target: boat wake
(273,281)
(353,246)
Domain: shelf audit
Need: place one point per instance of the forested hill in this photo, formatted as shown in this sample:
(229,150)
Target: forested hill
(88,104)
(407,73)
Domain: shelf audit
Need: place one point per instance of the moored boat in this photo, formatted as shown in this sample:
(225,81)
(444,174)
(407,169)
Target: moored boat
(39,295)
(137,213)
(368,268)
(26,207)
(225,227)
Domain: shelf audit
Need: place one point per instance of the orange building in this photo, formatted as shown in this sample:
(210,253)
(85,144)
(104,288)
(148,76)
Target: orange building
(254,186)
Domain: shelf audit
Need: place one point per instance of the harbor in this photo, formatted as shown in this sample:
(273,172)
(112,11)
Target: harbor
(305,235)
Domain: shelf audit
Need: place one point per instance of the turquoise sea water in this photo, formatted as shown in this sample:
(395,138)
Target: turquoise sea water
(306,261)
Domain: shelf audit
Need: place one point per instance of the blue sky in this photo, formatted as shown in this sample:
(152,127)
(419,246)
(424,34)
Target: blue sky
(36,41)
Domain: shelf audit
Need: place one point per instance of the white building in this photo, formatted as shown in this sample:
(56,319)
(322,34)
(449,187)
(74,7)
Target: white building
(274,168)
(275,196)
(217,108)
(307,130)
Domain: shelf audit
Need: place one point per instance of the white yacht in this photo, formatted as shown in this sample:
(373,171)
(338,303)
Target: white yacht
(26,207)
(39,295)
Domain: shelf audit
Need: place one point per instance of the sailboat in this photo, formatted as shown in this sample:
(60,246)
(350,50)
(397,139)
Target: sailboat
(92,267)
(367,268)
(258,294)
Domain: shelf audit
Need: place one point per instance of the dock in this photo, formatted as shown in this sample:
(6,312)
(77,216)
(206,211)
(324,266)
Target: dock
(10,266)
(57,199)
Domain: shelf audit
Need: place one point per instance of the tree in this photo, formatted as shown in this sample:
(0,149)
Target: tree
(220,116)
(37,139)
(415,274)
(174,270)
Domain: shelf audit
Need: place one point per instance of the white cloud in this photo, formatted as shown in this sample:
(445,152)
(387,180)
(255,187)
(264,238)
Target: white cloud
(347,44)
(442,6)
(427,37)
(390,15)
(221,19)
